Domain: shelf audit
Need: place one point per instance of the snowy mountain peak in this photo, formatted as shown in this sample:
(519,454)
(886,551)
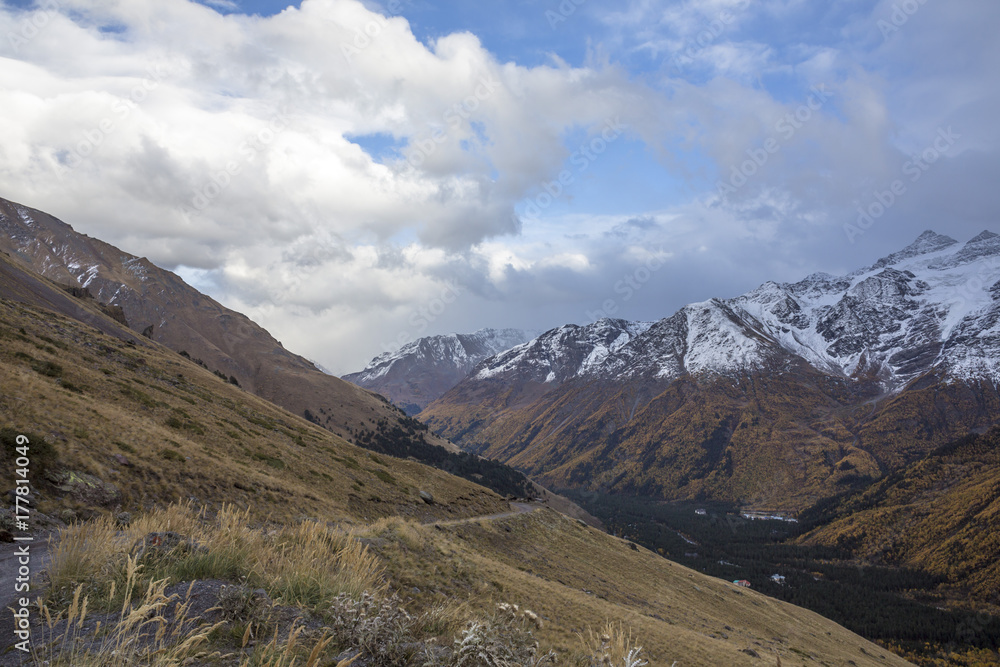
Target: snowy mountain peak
(926,306)
(424,369)
(926,243)
(564,352)
(985,235)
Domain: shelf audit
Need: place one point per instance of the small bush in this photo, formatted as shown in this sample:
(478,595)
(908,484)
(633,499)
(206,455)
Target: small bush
(243,606)
(384,476)
(272,461)
(40,452)
(140,397)
(181,421)
(172,455)
(124,447)
(380,628)
(502,641)
(48,369)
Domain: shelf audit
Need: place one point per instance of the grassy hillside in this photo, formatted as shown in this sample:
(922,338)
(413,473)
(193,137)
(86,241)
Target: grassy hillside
(119,425)
(154,427)
(160,305)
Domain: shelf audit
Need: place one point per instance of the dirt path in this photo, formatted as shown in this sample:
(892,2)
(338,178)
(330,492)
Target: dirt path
(9,565)
(519,508)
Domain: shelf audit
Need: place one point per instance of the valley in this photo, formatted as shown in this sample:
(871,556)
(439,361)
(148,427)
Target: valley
(903,605)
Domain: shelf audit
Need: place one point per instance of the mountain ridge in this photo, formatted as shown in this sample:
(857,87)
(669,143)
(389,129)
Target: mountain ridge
(830,374)
(159,304)
(423,370)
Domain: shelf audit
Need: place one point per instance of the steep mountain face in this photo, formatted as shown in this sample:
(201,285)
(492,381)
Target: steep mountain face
(779,396)
(941,514)
(159,304)
(423,370)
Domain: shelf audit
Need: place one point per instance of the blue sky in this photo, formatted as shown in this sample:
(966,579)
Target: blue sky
(331,167)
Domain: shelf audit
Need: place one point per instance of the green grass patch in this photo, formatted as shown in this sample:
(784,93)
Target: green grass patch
(140,397)
(384,476)
(124,446)
(172,455)
(272,461)
(47,368)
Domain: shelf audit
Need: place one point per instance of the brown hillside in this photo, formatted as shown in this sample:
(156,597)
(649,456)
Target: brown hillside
(783,437)
(174,314)
(940,514)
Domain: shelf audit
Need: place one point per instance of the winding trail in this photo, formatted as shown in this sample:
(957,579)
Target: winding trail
(519,508)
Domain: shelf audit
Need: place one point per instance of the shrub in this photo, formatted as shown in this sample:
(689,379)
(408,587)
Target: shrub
(380,628)
(272,461)
(384,476)
(243,605)
(41,453)
(172,455)
(48,369)
(504,640)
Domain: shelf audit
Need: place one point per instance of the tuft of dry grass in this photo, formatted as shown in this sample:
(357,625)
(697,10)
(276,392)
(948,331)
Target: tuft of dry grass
(307,564)
(155,630)
(612,646)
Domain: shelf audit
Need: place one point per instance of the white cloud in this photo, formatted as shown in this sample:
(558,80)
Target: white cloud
(230,145)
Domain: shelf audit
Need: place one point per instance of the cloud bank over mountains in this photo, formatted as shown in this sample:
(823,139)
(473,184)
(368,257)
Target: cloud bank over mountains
(333,169)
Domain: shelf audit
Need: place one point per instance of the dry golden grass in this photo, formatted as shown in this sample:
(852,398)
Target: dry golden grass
(184,434)
(611,645)
(155,631)
(306,564)
(575,578)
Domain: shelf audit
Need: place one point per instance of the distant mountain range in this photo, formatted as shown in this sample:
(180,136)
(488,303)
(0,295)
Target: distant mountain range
(423,370)
(780,396)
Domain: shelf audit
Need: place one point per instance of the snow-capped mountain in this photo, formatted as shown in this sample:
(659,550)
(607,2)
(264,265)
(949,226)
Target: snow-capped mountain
(564,352)
(776,397)
(934,304)
(422,370)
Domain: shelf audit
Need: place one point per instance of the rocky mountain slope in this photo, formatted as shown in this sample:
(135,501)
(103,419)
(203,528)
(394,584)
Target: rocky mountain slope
(163,307)
(776,397)
(423,370)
